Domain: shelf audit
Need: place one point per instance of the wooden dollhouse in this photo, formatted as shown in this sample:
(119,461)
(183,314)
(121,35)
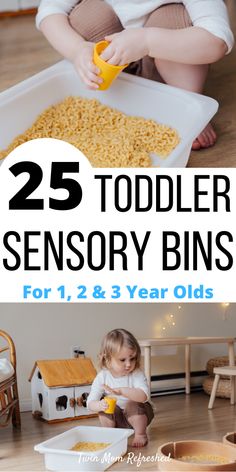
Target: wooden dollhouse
(60,388)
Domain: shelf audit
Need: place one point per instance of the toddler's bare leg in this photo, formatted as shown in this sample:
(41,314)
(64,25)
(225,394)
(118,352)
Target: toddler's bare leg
(94,19)
(139,423)
(107,421)
(186,76)
(139,415)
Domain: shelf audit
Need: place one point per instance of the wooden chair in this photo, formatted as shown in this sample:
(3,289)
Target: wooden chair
(9,400)
(218,371)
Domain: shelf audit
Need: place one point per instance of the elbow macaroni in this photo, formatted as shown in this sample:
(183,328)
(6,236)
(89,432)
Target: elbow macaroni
(108,137)
(88,446)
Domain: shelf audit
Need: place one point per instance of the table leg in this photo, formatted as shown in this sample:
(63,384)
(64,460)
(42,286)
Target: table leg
(231,353)
(232,379)
(147,365)
(213,392)
(187,368)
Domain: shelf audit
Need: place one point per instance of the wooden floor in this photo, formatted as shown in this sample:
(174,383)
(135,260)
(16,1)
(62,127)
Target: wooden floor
(24,51)
(177,417)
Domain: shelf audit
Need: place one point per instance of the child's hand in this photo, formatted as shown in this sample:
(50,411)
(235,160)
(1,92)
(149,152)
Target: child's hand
(125,47)
(102,405)
(85,66)
(117,391)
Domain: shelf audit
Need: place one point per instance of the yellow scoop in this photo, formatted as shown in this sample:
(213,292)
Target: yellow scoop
(111,405)
(108,71)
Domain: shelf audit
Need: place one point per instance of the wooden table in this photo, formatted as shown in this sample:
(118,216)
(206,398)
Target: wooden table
(147,345)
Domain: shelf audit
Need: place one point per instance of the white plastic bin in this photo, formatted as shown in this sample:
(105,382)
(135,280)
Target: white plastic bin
(187,112)
(58,456)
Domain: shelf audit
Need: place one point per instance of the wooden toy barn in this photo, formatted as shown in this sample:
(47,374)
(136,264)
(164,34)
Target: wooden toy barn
(60,388)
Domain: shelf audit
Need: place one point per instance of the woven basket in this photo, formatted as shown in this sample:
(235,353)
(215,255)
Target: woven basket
(223,389)
(217,362)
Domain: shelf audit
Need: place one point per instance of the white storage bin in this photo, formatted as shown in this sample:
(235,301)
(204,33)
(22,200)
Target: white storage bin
(59,457)
(187,112)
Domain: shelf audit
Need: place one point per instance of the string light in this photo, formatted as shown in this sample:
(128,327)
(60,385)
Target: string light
(168,323)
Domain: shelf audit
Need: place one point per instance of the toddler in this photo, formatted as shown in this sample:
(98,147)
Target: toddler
(121,376)
(170,41)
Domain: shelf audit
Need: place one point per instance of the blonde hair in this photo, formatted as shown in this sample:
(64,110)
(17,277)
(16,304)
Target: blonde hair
(112,344)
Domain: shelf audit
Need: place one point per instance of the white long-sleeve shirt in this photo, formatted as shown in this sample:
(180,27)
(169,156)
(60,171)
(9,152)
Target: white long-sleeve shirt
(208,14)
(135,379)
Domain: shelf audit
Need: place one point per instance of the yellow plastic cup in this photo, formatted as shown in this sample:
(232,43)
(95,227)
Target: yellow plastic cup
(108,71)
(111,405)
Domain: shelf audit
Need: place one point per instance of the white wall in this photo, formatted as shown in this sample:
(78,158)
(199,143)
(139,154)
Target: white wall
(24,4)
(47,331)
(14,5)
(8,5)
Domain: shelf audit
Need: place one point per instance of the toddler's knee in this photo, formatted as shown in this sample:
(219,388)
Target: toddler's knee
(170,16)
(134,408)
(94,19)
(106,420)
(220,49)
(143,410)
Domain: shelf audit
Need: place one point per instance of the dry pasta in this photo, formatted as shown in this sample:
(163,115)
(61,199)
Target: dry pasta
(108,137)
(89,446)
(204,459)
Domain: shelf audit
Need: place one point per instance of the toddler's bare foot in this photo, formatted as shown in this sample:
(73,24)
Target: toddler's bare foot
(205,139)
(140,440)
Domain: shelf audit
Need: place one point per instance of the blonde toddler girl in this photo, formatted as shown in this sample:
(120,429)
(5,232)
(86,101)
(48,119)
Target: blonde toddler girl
(122,377)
